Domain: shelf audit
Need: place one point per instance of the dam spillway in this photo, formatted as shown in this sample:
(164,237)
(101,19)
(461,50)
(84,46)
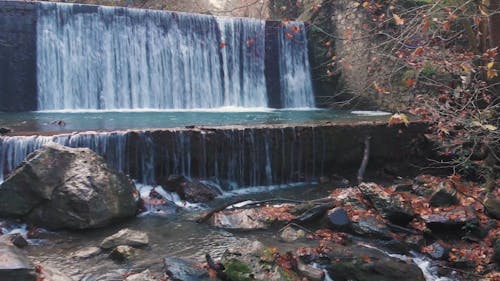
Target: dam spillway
(240,156)
(83,57)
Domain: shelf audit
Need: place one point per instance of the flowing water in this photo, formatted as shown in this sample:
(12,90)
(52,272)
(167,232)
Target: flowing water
(108,58)
(56,249)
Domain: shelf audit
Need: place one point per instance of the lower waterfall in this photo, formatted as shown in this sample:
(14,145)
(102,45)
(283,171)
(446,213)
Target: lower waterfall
(233,157)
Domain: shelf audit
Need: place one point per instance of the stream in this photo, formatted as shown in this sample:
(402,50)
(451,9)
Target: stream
(175,234)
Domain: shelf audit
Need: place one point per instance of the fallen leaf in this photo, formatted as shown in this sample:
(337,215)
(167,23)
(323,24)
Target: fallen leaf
(399,118)
(398,19)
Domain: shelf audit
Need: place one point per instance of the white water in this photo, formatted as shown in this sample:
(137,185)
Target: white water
(295,77)
(236,157)
(108,58)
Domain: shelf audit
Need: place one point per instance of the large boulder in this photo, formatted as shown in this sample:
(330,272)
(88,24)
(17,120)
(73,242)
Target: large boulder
(392,207)
(14,265)
(190,190)
(361,263)
(450,220)
(61,187)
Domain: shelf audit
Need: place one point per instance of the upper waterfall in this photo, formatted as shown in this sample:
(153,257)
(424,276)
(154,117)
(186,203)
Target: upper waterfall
(108,58)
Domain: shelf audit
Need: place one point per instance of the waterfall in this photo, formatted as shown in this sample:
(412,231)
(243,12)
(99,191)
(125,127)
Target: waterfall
(295,77)
(238,157)
(109,58)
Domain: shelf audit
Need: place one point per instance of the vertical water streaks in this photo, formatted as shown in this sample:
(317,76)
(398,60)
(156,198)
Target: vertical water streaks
(295,76)
(233,157)
(109,58)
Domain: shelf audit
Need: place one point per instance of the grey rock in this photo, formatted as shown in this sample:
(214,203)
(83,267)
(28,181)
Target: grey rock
(61,187)
(182,270)
(122,253)
(438,251)
(415,242)
(190,190)
(292,233)
(366,264)
(86,253)
(372,227)
(390,206)
(127,237)
(14,265)
(310,272)
(142,276)
(52,274)
(338,219)
(493,207)
(444,196)
(15,239)
(452,220)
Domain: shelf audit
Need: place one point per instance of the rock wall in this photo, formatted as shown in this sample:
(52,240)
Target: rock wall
(17,56)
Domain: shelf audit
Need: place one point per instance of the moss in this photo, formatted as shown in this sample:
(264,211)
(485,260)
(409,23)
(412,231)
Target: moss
(237,271)
(428,70)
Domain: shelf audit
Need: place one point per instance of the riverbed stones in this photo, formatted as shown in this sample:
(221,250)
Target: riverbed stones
(14,265)
(61,187)
(254,218)
(492,205)
(48,273)
(122,253)
(86,253)
(190,190)
(127,237)
(338,219)
(372,226)
(292,233)
(141,276)
(438,250)
(450,220)
(391,206)
(15,239)
(179,269)
(496,251)
(444,196)
(361,263)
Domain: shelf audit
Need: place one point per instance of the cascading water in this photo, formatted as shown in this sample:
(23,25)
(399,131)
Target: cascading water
(295,77)
(234,157)
(107,58)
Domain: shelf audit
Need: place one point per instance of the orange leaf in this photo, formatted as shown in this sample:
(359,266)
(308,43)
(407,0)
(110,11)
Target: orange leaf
(418,51)
(426,25)
(250,41)
(222,45)
(410,82)
(366,259)
(328,43)
(398,118)
(491,73)
(379,88)
(446,25)
(398,20)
